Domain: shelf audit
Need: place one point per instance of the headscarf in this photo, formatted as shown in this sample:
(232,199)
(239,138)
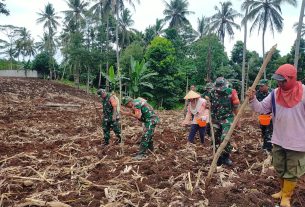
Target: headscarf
(199,103)
(290,94)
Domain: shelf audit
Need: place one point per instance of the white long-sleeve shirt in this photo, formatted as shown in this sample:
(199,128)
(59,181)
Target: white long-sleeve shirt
(288,123)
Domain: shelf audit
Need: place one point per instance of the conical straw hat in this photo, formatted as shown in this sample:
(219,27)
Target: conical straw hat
(192,94)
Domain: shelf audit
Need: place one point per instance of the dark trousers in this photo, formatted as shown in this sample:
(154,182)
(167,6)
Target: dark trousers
(267,135)
(194,129)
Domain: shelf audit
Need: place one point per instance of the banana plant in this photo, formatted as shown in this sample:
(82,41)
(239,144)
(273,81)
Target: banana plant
(139,78)
(113,78)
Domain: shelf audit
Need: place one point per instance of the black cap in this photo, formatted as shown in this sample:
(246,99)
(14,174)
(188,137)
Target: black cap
(278,77)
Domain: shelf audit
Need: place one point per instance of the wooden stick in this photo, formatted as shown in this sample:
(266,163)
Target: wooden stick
(36,202)
(11,157)
(98,114)
(40,175)
(211,126)
(61,105)
(212,134)
(237,117)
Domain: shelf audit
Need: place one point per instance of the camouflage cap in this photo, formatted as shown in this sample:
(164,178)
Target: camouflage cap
(263,82)
(138,103)
(209,86)
(220,83)
(100,91)
(126,100)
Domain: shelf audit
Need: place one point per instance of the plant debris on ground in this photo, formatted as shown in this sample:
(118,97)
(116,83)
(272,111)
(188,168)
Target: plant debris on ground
(51,155)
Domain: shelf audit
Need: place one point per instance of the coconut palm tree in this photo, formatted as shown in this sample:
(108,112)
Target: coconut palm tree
(175,13)
(8,49)
(8,45)
(23,42)
(118,5)
(223,21)
(3,9)
(203,26)
(102,10)
(295,27)
(125,22)
(49,18)
(158,27)
(76,13)
(265,14)
(300,27)
(152,31)
(76,20)
(30,49)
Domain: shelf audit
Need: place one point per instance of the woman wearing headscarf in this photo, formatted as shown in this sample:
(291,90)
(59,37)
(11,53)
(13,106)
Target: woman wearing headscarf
(197,114)
(287,104)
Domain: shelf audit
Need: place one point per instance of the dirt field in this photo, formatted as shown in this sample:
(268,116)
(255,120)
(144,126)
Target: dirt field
(51,151)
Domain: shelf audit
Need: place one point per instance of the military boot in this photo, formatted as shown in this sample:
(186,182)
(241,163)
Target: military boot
(141,154)
(118,141)
(151,146)
(105,143)
(220,160)
(226,159)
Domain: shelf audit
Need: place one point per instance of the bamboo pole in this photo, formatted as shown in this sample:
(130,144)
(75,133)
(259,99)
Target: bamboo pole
(237,117)
(211,125)
(212,134)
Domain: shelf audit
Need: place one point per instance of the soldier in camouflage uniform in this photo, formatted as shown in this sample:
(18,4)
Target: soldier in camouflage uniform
(111,118)
(262,93)
(206,95)
(145,113)
(207,90)
(224,102)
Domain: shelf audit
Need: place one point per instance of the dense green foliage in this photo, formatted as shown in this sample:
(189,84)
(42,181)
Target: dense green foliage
(99,48)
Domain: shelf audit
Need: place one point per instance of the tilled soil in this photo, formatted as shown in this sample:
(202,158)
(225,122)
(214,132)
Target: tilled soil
(51,151)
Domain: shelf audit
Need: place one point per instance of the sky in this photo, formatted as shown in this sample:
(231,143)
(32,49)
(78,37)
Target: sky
(23,13)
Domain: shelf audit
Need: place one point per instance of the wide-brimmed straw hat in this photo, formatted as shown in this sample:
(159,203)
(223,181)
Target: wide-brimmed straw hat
(191,95)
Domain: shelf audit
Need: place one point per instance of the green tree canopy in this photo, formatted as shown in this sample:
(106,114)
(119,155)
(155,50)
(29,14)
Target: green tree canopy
(209,56)
(160,56)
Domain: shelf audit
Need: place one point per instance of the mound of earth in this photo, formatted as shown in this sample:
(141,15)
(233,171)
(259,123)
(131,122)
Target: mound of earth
(51,154)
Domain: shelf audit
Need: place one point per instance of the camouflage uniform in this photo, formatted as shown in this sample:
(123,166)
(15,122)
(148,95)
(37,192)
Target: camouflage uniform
(223,101)
(206,93)
(150,120)
(266,130)
(108,123)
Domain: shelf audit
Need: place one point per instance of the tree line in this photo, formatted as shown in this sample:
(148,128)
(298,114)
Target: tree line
(101,49)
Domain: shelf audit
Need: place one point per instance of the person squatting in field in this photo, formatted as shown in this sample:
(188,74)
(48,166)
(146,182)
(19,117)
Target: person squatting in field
(287,104)
(111,117)
(197,115)
(141,110)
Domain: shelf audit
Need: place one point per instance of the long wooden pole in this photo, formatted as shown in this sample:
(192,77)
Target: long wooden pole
(237,117)
(211,125)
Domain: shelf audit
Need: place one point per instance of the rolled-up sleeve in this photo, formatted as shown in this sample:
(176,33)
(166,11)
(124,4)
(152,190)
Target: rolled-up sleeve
(263,107)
